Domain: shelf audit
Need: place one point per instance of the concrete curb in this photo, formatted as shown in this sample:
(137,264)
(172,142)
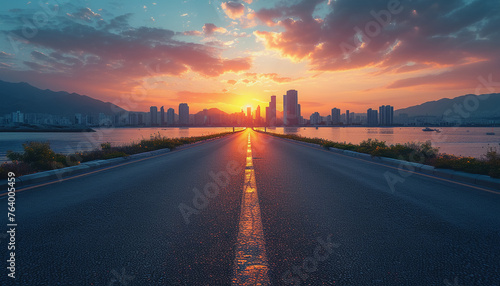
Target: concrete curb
(477,179)
(481,180)
(58,174)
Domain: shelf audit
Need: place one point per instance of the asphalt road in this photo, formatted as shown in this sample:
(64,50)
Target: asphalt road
(326,219)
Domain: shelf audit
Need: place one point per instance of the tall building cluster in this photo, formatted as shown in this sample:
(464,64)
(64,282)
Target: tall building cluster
(291,115)
(384,116)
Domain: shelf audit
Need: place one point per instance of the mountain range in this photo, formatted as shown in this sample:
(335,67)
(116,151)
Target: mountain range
(476,106)
(29,99)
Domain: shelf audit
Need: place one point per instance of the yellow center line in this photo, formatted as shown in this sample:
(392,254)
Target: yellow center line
(250,265)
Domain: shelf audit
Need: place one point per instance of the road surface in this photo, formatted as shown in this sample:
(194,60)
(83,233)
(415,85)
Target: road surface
(252,209)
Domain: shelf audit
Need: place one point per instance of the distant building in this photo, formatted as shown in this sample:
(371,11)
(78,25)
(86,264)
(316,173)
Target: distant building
(347,118)
(78,119)
(162,116)
(271,117)
(386,115)
(335,116)
(170,117)
(184,114)
(315,119)
(291,108)
(17,117)
(153,113)
(257,115)
(268,116)
(372,117)
(249,115)
(133,119)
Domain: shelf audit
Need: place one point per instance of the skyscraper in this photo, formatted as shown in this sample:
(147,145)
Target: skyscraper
(183,114)
(335,116)
(290,108)
(271,118)
(153,112)
(162,116)
(257,115)
(372,117)
(249,116)
(268,116)
(347,119)
(299,114)
(386,115)
(170,116)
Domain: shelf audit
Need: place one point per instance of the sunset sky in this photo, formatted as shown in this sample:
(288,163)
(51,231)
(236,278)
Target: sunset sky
(230,54)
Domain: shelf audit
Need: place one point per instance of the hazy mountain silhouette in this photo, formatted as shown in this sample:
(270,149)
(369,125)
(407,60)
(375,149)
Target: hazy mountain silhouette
(212,112)
(483,106)
(29,99)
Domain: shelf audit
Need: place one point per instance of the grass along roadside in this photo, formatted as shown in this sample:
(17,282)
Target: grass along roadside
(38,156)
(423,153)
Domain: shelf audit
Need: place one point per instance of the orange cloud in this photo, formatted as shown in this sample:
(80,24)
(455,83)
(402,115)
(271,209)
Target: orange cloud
(253,77)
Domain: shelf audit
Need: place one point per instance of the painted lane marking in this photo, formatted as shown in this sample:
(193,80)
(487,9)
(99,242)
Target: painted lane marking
(250,265)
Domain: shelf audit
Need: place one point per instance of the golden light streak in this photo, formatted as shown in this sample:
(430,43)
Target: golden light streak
(251,266)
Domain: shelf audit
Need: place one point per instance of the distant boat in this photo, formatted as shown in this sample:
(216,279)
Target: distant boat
(490,133)
(316,127)
(427,129)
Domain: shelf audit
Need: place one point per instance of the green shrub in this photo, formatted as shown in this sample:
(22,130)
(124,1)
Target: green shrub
(37,154)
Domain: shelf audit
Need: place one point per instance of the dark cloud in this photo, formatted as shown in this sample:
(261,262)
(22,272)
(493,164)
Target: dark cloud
(234,10)
(356,33)
(209,29)
(115,54)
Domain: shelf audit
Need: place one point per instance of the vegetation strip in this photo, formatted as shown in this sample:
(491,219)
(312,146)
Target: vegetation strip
(423,153)
(38,156)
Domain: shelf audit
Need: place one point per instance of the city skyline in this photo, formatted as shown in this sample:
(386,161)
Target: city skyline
(233,56)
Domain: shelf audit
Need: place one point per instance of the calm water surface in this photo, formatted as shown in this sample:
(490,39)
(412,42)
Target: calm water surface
(458,141)
(68,143)
(463,141)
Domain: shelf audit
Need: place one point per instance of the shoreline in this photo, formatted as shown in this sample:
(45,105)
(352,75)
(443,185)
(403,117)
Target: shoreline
(39,157)
(416,152)
(47,130)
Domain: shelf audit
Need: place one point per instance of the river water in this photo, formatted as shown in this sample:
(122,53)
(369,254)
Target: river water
(464,141)
(460,141)
(67,143)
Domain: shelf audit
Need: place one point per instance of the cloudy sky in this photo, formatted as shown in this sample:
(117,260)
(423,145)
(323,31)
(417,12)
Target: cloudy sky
(351,54)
